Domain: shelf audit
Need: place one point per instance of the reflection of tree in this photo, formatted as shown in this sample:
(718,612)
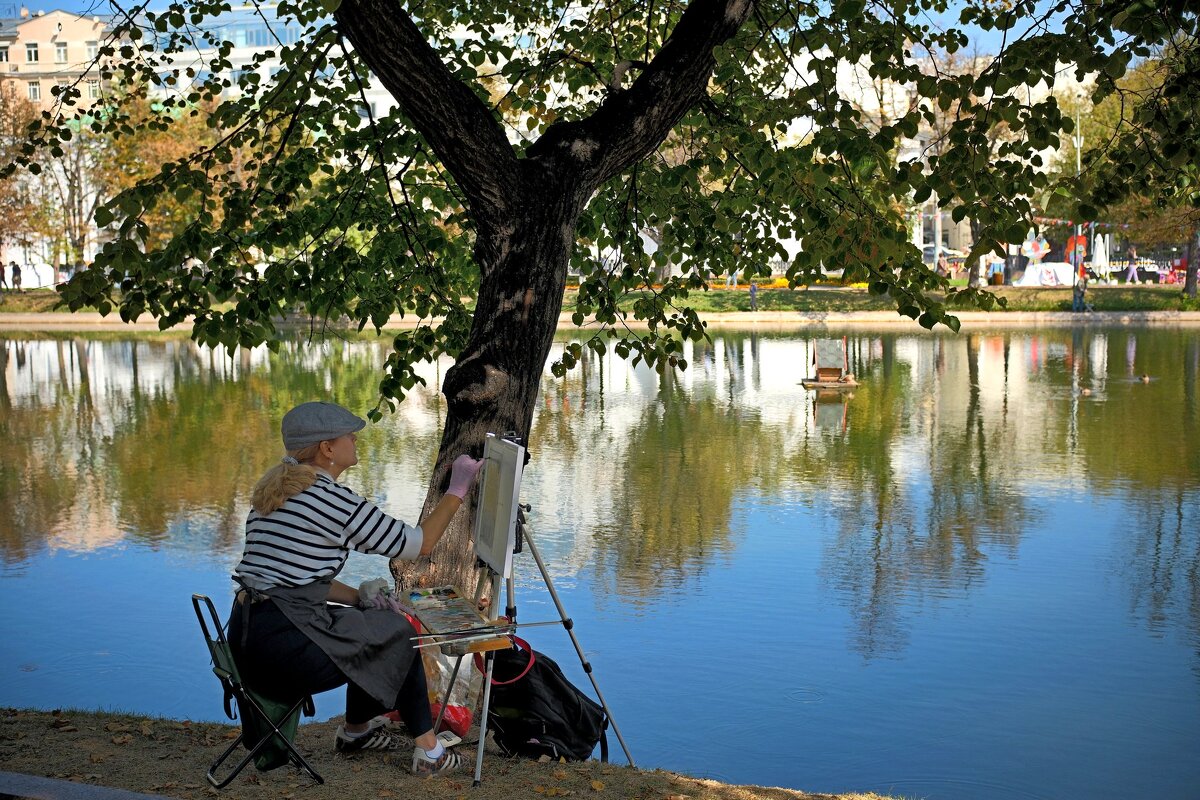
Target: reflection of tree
(686,461)
(1139,437)
(36,476)
(1160,559)
(867,563)
(98,456)
(910,435)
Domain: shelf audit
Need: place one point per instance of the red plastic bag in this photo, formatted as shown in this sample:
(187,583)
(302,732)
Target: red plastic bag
(456,719)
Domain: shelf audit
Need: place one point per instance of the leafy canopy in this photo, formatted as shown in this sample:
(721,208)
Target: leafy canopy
(304,200)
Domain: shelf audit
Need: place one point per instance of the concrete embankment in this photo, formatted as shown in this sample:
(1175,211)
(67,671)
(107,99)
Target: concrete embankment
(90,321)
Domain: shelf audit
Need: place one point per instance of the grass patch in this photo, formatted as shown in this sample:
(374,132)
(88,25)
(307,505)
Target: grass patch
(852,299)
(32,301)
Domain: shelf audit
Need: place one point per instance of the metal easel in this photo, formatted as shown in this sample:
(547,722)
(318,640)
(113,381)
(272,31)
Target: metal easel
(461,645)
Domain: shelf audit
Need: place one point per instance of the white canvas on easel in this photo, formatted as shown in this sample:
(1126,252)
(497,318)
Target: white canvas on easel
(499,494)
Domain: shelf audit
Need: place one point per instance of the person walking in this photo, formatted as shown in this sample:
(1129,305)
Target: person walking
(753,296)
(1131,273)
(287,637)
(16,276)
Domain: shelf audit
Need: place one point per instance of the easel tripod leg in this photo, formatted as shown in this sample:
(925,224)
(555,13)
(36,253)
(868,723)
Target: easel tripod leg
(483,718)
(437,725)
(587,667)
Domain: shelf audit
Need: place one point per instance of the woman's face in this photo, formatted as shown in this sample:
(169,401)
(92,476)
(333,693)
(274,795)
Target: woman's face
(344,450)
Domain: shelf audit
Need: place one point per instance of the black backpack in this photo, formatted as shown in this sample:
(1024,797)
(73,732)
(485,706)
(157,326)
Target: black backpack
(536,711)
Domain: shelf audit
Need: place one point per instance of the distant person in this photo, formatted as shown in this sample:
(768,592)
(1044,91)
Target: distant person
(943,266)
(753,296)
(16,276)
(1131,274)
(1078,295)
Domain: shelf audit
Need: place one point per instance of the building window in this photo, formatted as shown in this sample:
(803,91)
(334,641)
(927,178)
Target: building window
(3,54)
(31,53)
(92,49)
(93,90)
(60,53)
(35,91)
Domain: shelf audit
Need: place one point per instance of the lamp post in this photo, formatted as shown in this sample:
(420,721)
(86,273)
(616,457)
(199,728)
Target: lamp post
(1077,138)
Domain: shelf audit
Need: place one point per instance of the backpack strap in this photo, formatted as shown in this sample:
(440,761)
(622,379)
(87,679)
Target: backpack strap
(521,644)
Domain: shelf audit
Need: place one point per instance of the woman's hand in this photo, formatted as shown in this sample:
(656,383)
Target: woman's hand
(462,475)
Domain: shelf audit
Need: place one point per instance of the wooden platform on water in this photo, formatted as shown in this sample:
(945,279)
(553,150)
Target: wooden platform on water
(838,385)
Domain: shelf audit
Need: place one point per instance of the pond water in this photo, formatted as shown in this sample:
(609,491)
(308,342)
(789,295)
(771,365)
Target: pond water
(977,577)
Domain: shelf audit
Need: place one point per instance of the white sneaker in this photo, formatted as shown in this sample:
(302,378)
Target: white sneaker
(376,738)
(424,766)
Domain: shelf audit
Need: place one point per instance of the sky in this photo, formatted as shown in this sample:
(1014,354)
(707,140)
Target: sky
(987,42)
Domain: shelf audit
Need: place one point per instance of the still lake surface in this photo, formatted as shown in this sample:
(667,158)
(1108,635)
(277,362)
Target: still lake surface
(977,577)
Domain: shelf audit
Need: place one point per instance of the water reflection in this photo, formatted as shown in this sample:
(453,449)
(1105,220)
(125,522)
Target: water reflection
(929,474)
(979,498)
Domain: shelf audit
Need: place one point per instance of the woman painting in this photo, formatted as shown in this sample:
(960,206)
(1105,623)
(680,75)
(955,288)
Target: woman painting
(288,640)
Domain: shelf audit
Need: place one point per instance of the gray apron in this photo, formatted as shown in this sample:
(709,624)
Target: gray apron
(372,647)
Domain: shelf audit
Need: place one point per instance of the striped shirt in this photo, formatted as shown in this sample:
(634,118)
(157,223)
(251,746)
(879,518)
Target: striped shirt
(310,536)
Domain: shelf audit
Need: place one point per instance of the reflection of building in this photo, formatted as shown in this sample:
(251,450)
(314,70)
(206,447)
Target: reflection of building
(44,50)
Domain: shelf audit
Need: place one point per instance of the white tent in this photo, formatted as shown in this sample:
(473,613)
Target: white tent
(1100,261)
(1047,273)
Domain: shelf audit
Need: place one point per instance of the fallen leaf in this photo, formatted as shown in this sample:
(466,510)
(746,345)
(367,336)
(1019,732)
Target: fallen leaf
(560,774)
(540,789)
(116,727)
(147,729)
(66,729)
(598,785)
(122,739)
(386,793)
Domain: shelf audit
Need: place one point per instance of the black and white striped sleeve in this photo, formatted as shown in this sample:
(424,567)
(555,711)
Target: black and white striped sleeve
(372,530)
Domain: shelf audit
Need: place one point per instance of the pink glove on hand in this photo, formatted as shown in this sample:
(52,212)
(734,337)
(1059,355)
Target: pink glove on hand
(462,475)
(386,601)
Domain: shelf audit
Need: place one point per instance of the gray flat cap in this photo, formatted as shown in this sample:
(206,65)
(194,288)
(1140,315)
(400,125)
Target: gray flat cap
(310,423)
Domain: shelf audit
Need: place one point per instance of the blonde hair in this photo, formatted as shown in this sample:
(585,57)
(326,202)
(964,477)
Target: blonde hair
(285,480)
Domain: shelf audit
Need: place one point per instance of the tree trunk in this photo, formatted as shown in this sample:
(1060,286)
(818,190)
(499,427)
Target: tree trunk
(1192,253)
(493,386)
(973,269)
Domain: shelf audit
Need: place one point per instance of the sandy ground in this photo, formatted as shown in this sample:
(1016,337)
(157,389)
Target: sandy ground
(170,757)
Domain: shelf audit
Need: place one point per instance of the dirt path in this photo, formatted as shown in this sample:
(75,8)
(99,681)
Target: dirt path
(170,757)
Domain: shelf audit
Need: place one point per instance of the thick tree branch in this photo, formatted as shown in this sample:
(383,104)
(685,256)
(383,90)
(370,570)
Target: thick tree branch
(630,124)
(461,130)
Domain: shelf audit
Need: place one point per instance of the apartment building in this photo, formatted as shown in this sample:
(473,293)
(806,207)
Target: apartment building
(43,49)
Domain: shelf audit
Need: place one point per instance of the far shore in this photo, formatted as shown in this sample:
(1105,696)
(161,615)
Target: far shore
(85,321)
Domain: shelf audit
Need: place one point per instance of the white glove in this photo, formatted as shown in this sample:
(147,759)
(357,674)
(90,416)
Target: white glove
(368,590)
